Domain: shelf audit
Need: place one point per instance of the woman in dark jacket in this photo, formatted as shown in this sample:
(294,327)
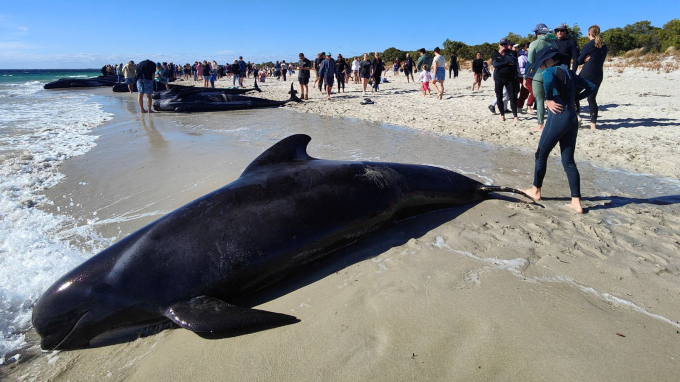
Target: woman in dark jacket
(505,75)
(592,58)
(236,74)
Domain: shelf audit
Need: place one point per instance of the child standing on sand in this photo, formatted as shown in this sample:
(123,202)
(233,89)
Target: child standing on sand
(425,78)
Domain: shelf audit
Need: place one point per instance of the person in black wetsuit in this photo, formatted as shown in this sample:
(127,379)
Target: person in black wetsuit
(567,47)
(504,62)
(562,90)
(376,70)
(408,68)
(365,71)
(453,65)
(592,58)
(477,70)
(340,66)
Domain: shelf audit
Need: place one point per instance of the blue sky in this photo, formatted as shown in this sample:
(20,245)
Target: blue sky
(79,34)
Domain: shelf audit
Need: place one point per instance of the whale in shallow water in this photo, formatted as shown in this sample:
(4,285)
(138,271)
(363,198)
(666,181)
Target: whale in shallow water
(195,264)
(213,100)
(65,83)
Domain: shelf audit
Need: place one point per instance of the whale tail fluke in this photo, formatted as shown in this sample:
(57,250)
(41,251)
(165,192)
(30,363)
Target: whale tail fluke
(293,96)
(488,189)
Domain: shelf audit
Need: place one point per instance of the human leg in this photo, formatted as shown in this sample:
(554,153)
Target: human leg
(498,89)
(592,105)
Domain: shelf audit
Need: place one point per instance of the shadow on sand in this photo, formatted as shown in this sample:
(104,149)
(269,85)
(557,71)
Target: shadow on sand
(620,201)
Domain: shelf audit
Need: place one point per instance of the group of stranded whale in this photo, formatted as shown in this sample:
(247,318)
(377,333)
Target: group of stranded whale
(196,265)
(180,98)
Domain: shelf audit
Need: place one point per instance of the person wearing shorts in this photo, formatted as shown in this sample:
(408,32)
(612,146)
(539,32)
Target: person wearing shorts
(146,70)
(327,72)
(130,72)
(365,71)
(439,70)
(304,67)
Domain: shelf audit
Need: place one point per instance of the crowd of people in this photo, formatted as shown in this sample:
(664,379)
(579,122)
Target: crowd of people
(541,74)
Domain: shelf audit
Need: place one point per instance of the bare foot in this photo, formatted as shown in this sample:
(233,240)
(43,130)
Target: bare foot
(516,119)
(534,193)
(151,111)
(575,205)
(502,118)
(592,126)
(144,111)
(537,128)
(441,95)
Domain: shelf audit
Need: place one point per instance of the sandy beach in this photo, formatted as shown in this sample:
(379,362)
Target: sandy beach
(501,290)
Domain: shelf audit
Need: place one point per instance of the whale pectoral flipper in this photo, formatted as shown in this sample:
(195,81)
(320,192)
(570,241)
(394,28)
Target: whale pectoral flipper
(209,314)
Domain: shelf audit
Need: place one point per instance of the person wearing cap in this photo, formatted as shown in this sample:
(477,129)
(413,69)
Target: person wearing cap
(505,75)
(544,39)
(327,73)
(130,72)
(567,46)
(562,90)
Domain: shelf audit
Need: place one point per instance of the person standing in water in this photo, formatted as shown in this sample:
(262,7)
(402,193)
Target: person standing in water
(561,93)
(592,58)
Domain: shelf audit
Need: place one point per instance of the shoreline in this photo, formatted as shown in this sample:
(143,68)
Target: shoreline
(637,125)
(470,293)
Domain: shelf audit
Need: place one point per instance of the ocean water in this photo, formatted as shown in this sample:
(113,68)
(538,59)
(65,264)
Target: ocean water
(39,129)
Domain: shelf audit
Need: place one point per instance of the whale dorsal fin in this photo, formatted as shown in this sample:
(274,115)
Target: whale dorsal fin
(290,149)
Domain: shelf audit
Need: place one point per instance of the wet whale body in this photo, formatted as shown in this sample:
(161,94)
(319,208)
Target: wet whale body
(211,100)
(194,265)
(94,82)
(179,91)
(182,90)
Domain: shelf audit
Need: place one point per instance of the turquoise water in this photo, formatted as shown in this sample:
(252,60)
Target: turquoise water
(44,75)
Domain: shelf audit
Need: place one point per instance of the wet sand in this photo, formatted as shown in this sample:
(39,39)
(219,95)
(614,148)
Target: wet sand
(500,290)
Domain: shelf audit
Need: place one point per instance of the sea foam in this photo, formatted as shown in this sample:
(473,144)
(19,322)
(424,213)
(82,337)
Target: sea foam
(38,130)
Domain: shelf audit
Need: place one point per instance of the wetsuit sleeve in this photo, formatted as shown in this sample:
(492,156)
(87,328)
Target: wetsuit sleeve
(498,61)
(548,85)
(574,54)
(587,86)
(587,50)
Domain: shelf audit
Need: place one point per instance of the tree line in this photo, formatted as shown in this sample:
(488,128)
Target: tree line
(641,34)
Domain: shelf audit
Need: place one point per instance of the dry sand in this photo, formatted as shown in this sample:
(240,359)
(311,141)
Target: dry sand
(502,290)
(638,119)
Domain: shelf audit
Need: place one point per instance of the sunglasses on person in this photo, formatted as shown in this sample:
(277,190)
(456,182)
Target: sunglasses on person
(504,44)
(560,30)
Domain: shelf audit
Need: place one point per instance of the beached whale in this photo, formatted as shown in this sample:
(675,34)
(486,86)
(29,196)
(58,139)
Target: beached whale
(182,89)
(195,264)
(179,91)
(196,101)
(64,83)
